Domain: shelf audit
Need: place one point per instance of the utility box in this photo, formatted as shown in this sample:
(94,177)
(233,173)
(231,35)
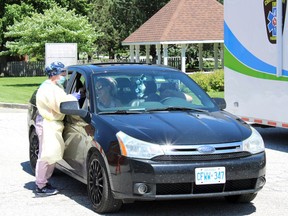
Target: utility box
(63,52)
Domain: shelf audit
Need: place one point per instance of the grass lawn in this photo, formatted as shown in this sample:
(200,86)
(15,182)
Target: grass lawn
(216,94)
(20,89)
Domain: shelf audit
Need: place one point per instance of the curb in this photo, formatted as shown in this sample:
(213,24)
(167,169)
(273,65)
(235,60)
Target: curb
(14,105)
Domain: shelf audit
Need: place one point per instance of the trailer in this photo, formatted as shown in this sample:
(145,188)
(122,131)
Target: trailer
(256,61)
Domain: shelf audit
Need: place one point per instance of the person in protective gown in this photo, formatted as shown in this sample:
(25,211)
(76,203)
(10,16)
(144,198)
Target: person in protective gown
(49,126)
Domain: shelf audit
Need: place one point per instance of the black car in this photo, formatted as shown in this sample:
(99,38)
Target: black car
(165,138)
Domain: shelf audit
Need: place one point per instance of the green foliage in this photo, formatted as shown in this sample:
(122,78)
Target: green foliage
(210,81)
(117,19)
(16,12)
(202,79)
(114,20)
(217,80)
(56,25)
(10,13)
(103,20)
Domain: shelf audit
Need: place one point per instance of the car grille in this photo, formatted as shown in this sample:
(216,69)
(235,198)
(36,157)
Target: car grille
(204,152)
(204,157)
(192,188)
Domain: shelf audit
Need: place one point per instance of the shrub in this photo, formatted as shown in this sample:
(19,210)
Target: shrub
(217,80)
(202,79)
(209,81)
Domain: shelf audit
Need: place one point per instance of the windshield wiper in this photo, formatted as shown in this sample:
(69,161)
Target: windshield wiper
(176,109)
(121,112)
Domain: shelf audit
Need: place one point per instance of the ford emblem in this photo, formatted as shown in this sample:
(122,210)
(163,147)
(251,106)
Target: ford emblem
(206,149)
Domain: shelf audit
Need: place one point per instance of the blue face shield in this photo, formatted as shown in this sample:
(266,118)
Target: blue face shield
(61,81)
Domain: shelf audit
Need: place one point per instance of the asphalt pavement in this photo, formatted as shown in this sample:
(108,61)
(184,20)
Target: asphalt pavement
(17,182)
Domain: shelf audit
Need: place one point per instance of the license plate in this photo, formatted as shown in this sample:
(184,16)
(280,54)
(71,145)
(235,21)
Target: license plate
(210,175)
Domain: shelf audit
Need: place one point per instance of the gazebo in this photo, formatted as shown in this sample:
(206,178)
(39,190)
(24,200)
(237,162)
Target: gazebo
(180,22)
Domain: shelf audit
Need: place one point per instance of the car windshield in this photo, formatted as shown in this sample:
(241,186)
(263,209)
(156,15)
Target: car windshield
(137,91)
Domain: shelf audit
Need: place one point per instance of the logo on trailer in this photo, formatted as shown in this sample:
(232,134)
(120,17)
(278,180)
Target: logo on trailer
(270,11)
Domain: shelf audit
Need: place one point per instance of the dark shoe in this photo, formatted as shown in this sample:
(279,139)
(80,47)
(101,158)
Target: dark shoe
(49,186)
(48,190)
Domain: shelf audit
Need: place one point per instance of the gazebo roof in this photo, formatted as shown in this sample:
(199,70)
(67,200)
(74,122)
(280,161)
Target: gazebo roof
(182,22)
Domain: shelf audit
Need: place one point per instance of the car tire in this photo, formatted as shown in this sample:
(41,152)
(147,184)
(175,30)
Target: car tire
(243,198)
(33,149)
(99,190)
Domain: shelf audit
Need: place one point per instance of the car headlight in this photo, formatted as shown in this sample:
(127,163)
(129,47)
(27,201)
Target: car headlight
(254,144)
(134,148)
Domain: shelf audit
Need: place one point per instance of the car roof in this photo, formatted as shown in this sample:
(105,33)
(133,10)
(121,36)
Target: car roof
(102,67)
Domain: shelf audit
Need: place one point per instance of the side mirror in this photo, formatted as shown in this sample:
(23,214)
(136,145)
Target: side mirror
(220,102)
(72,108)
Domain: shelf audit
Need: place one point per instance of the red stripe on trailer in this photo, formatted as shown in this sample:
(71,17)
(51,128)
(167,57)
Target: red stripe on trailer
(245,119)
(272,123)
(265,122)
(259,121)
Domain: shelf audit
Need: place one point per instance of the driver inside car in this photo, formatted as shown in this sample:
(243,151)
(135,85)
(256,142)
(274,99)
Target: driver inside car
(106,93)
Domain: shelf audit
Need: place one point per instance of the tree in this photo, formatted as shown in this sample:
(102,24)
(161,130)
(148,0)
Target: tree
(11,12)
(114,19)
(15,10)
(117,19)
(55,25)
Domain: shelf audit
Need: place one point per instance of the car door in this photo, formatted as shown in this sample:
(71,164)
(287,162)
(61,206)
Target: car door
(76,139)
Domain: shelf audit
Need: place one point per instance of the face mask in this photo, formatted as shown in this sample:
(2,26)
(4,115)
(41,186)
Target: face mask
(61,81)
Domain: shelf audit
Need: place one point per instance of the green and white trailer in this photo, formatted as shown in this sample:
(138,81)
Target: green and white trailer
(256,60)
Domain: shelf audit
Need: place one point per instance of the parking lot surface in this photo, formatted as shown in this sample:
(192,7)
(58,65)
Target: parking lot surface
(17,182)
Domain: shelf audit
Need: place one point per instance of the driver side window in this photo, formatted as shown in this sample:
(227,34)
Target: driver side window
(79,86)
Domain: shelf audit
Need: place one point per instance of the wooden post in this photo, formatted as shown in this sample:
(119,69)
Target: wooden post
(137,51)
(165,53)
(147,48)
(183,57)
(200,56)
(215,55)
(131,53)
(158,53)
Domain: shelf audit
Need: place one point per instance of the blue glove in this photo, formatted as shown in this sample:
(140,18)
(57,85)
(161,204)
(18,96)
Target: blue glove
(76,95)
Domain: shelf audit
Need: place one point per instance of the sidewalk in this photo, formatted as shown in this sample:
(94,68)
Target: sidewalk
(14,105)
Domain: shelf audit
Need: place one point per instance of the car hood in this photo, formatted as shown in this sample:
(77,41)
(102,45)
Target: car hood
(180,128)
